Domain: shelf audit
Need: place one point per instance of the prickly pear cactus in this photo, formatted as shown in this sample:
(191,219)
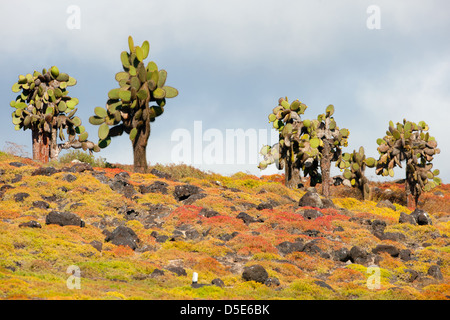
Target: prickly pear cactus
(325,135)
(45,107)
(305,145)
(409,142)
(291,150)
(127,109)
(354,165)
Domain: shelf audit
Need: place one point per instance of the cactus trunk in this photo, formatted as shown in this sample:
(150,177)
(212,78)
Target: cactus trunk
(325,164)
(140,148)
(412,199)
(41,145)
(291,175)
(54,149)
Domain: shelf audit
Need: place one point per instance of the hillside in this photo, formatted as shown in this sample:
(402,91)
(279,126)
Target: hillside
(142,236)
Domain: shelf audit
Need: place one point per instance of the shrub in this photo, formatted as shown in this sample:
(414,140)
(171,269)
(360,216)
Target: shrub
(83,157)
(180,171)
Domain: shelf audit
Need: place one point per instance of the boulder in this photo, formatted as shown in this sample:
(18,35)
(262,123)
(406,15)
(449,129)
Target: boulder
(421,217)
(328,203)
(184,192)
(386,204)
(312,233)
(17,178)
(247,218)
(227,236)
(44,171)
(19,197)
(267,205)
(17,164)
(378,226)
(255,273)
(394,236)
(158,237)
(405,254)
(311,247)
(311,214)
(40,204)
(123,236)
(435,272)
(185,232)
(30,224)
(5,188)
(179,271)
(390,249)
(287,247)
(406,218)
(69,177)
(272,282)
(208,213)
(161,174)
(79,167)
(358,255)
(64,219)
(157,186)
(121,185)
(97,245)
(323,284)
(218,282)
(194,198)
(342,255)
(310,199)
(413,275)
(156,273)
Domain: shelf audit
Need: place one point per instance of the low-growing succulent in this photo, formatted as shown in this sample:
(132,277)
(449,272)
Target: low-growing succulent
(45,107)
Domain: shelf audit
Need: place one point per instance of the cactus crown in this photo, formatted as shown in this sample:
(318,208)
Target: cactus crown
(44,105)
(301,142)
(412,143)
(354,164)
(127,108)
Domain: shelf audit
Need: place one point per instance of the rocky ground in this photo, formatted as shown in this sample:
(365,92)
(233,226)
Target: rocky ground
(77,232)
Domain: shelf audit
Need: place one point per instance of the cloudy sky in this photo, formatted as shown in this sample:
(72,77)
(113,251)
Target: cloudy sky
(232,60)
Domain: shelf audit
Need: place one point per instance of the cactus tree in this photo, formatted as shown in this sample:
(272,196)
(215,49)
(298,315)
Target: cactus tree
(409,142)
(325,135)
(45,107)
(354,164)
(286,153)
(127,109)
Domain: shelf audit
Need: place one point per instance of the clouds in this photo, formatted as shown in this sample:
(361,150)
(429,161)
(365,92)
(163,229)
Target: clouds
(232,60)
(416,92)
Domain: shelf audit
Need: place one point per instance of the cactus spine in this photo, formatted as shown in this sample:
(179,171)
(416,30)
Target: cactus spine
(127,108)
(409,142)
(44,106)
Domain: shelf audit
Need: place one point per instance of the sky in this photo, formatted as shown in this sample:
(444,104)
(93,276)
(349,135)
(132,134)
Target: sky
(231,61)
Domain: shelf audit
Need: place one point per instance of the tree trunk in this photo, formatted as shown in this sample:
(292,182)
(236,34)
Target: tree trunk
(41,145)
(325,164)
(291,175)
(54,148)
(140,148)
(411,200)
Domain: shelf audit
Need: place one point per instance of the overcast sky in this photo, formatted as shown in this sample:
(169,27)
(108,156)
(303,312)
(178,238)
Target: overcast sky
(232,60)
